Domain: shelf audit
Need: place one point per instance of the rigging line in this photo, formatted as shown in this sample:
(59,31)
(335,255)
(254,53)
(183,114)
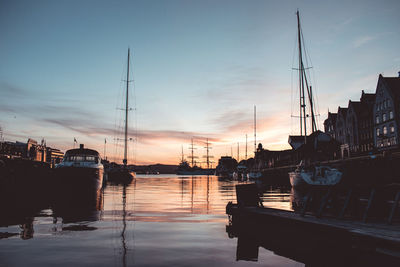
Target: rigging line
(313,80)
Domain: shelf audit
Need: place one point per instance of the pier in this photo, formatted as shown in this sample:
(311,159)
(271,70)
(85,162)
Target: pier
(313,232)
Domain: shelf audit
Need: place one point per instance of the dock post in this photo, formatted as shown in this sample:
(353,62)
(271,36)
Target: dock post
(309,198)
(394,207)
(346,203)
(324,201)
(371,198)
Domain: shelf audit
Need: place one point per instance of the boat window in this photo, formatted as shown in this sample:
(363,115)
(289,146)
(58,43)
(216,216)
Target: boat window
(90,158)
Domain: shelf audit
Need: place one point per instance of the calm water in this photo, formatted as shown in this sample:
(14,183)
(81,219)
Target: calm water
(155,221)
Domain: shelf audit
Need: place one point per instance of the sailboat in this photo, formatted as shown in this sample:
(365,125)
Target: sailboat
(123,174)
(309,171)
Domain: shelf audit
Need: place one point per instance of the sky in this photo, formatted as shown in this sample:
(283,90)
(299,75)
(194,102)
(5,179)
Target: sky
(198,68)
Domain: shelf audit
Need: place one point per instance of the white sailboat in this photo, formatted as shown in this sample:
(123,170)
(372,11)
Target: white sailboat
(309,172)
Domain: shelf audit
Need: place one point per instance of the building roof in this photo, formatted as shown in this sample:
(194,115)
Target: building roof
(393,84)
(342,111)
(367,97)
(331,117)
(356,105)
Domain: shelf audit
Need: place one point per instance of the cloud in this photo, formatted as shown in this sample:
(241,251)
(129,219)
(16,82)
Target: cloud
(362,40)
(7,89)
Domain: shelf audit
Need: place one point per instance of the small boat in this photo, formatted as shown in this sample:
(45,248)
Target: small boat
(314,175)
(311,173)
(80,168)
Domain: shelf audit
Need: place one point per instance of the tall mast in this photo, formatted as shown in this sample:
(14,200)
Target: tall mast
(246,149)
(238,152)
(126,114)
(207,156)
(303,114)
(192,148)
(255,131)
(304,83)
(183,156)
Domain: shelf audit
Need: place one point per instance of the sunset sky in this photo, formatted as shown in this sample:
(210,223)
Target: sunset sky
(199,68)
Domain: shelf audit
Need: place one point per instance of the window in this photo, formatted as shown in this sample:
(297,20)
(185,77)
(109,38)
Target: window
(377,119)
(384,130)
(378,132)
(390,114)
(391,128)
(384,117)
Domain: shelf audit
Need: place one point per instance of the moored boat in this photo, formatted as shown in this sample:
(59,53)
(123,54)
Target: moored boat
(314,175)
(80,169)
(309,172)
(117,173)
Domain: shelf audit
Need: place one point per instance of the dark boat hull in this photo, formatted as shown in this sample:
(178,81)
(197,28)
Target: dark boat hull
(79,179)
(120,176)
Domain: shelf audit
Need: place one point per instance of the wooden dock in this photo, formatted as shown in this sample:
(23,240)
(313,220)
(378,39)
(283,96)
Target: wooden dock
(285,228)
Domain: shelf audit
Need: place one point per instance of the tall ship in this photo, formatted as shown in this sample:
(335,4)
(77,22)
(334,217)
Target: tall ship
(80,169)
(122,173)
(309,171)
(184,168)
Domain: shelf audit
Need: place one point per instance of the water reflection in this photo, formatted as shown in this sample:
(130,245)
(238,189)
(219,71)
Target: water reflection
(156,220)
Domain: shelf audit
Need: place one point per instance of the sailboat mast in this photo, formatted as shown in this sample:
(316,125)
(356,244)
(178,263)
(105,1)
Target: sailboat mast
(303,114)
(126,113)
(208,156)
(246,149)
(255,131)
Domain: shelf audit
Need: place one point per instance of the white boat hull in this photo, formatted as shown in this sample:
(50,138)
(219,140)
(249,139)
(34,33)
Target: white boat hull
(322,175)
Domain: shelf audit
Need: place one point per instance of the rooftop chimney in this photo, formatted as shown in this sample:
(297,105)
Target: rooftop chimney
(81,146)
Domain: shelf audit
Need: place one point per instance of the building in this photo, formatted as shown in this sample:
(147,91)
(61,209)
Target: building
(386,113)
(31,150)
(341,132)
(330,124)
(54,156)
(366,123)
(352,126)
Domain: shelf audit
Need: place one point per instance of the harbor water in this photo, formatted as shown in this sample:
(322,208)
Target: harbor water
(157,220)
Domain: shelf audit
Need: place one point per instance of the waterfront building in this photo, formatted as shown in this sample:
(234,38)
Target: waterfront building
(352,126)
(31,150)
(386,113)
(342,135)
(330,124)
(53,156)
(366,122)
